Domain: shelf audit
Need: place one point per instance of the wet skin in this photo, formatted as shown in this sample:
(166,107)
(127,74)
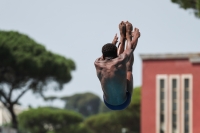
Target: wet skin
(115,74)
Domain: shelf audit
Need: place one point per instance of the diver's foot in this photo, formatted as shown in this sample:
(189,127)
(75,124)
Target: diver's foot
(129,29)
(122,30)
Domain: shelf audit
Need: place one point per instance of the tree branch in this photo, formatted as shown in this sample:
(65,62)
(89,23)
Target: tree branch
(23,92)
(10,93)
(4,103)
(3,94)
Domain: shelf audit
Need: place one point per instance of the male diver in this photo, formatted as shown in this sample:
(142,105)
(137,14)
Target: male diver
(114,68)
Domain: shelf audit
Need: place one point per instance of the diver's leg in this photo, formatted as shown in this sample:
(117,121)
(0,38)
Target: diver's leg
(122,29)
(129,64)
(129,29)
(129,75)
(132,37)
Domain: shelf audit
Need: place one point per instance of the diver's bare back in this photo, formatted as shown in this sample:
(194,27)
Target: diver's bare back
(112,75)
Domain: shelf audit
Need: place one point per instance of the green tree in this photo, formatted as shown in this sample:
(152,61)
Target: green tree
(51,120)
(113,122)
(189,4)
(26,65)
(50,98)
(103,108)
(86,103)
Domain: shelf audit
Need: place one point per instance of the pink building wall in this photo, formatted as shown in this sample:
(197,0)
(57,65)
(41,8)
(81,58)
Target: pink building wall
(150,68)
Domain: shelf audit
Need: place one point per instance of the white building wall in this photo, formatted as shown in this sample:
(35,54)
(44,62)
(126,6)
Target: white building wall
(5,116)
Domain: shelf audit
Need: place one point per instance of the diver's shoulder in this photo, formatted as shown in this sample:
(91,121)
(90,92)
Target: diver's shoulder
(121,57)
(99,61)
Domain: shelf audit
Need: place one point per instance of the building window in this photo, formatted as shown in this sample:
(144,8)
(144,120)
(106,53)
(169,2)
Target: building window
(162,84)
(174,83)
(186,100)
(162,118)
(174,95)
(162,105)
(186,103)
(186,94)
(174,105)
(186,83)
(162,95)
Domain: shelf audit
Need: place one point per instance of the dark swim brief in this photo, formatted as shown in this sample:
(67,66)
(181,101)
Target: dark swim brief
(121,106)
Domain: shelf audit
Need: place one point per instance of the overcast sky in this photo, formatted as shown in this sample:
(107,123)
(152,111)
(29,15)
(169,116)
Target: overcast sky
(78,29)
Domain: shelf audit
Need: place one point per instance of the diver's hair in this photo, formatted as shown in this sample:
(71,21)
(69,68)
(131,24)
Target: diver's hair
(109,50)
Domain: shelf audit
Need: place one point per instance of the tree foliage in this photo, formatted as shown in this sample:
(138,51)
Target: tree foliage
(49,120)
(189,4)
(26,65)
(103,108)
(113,122)
(35,120)
(86,103)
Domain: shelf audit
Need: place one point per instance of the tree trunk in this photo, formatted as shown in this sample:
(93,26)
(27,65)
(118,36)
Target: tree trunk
(14,117)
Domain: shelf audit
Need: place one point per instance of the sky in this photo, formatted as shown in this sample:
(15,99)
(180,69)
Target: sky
(78,30)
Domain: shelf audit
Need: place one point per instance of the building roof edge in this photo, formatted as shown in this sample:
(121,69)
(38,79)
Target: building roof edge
(169,56)
(193,57)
